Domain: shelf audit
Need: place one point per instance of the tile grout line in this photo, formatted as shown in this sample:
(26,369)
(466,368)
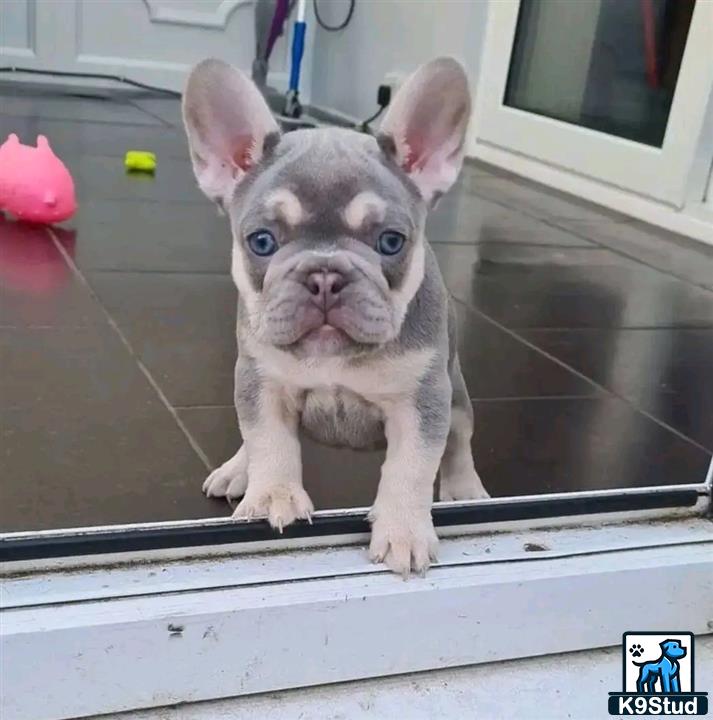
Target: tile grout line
(145,271)
(617,251)
(580,375)
(125,341)
(163,121)
(548,398)
(613,328)
(515,243)
(204,407)
(122,123)
(555,222)
(145,201)
(544,217)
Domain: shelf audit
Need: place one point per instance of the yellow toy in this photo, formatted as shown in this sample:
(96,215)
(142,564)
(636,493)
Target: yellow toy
(140,160)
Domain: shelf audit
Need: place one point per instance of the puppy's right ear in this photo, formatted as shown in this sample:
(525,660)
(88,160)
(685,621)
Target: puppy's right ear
(227,121)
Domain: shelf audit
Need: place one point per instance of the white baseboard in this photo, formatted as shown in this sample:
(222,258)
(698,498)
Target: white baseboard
(171,76)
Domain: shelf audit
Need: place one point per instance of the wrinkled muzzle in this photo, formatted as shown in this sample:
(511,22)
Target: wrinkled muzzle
(326,301)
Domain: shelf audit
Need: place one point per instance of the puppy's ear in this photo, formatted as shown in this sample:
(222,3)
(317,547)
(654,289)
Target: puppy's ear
(426,123)
(227,121)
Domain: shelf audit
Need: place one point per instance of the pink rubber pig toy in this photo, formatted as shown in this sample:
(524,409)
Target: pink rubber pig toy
(34,183)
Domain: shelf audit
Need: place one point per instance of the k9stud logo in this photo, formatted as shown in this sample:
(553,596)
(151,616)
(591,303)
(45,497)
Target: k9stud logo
(658,676)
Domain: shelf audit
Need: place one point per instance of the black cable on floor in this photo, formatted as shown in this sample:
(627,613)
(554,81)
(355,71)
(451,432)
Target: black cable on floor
(383,98)
(364,125)
(334,28)
(91,76)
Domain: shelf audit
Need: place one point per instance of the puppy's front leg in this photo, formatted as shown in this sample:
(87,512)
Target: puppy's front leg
(402,533)
(268,423)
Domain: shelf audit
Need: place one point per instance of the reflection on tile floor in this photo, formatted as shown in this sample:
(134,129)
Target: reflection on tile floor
(666,373)
(69,137)
(174,237)
(586,338)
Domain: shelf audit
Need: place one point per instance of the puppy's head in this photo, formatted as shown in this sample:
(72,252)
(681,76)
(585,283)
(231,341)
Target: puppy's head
(327,224)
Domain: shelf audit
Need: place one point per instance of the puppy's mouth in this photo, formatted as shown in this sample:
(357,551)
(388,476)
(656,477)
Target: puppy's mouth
(355,320)
(324,332)
(324,340)
(337,330)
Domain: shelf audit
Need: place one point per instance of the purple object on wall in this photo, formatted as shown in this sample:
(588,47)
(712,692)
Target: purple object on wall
(278,21)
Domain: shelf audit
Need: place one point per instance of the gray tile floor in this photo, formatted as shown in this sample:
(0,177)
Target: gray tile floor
(586,338)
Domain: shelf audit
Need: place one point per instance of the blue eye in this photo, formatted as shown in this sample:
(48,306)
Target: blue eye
(262,243)
(390,242)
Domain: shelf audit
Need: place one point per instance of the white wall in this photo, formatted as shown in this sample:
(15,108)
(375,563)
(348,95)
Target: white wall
(386,36)
(156,41)
(153,41)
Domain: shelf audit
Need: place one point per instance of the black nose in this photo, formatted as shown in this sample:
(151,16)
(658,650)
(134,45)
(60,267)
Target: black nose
(325,286)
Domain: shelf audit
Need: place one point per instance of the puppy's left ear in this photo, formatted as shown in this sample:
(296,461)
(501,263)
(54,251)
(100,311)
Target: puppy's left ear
(227,121)
(426,123)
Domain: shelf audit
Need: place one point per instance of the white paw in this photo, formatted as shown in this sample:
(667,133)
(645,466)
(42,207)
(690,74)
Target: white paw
(230,479)
(403,543)
(464,485)
(280,504)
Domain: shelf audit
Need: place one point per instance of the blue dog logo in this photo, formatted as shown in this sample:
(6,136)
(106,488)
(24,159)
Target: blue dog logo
(660,686)
(665,670)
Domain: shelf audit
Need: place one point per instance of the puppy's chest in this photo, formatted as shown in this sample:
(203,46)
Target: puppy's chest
(375,381)
(340,418)
(341,404)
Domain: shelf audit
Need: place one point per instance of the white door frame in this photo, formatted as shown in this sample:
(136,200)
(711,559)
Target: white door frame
(659,174)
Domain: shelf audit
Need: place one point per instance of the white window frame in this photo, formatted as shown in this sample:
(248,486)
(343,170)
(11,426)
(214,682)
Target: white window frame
(99,634)
(653,184)
(659,173)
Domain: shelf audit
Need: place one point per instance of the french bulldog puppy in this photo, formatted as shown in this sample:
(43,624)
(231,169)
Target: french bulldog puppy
(344,325)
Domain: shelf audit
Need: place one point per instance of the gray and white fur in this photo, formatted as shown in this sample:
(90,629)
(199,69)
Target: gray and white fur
(344,324)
